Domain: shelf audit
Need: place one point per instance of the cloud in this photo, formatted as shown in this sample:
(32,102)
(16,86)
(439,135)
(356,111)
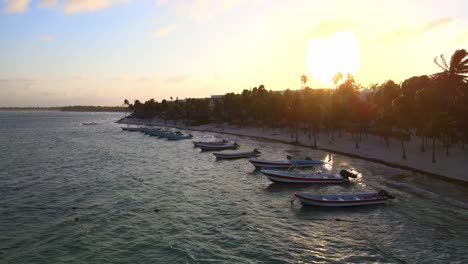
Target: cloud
(48,3)
(161,2)
(77,6)
(47,38)
(327,28)
(201,10)
(16,6)
(410,31)
(432,25)
(164,31)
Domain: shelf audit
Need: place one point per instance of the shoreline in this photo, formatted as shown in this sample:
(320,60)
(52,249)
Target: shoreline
(261,136)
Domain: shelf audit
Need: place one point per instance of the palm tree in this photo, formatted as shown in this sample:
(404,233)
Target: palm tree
(303,81)
(336,78)
(456,70)
(127,103)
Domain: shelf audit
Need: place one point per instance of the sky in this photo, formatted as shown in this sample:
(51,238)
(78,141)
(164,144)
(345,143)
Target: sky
(100,52)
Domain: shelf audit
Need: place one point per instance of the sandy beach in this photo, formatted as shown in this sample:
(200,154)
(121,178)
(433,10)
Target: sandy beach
(452,167)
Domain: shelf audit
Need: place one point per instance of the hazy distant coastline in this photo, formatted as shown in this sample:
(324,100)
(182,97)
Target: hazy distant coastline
(78,108)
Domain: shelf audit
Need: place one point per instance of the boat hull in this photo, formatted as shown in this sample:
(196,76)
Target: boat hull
(287,177)
(284,164)
(215,148)
(235,155)
(214,143)
(340,200)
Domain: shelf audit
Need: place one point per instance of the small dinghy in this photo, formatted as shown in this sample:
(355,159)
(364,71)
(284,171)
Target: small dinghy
(196,143)
(224,146)
(297,177)
(236,155)
(297,161)
(340,200)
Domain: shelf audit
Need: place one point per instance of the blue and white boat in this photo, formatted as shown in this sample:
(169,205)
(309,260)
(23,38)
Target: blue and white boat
(294,176)
(210,147)
(197,143)
(296,161)
(236,155)
(341,200)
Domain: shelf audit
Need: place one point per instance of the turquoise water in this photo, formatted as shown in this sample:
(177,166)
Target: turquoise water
(97,194)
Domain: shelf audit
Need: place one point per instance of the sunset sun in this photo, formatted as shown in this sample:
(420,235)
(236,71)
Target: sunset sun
(327,56)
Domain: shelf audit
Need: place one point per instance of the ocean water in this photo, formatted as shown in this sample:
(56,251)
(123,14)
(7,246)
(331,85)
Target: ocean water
(96,194)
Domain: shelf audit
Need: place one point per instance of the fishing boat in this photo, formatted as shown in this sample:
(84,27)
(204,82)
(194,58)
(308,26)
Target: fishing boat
(167,134)
(179,137)
(89,123)
(236,155)
(298,177)
(297,161)
(132,129)
(208,147)
(148,130)
(196,143)
(340,200)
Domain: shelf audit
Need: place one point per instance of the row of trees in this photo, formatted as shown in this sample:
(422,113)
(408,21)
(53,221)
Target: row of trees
(431,107)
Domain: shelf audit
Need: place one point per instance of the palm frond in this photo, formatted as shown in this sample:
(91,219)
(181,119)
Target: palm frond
(438,64)
(444,61)
(457,58)
(464,63)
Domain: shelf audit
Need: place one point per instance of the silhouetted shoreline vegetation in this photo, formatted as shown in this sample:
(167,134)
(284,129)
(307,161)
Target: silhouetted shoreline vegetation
(77,108)
(433,108)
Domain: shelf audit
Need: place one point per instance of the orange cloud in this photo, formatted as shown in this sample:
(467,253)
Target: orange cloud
(16,6)
(164,31)
(76,6)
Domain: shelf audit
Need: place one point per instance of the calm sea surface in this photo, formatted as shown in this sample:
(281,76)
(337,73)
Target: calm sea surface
(97,194)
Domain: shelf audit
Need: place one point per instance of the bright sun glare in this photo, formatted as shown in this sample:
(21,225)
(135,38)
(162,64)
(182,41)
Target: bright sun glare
(327,56)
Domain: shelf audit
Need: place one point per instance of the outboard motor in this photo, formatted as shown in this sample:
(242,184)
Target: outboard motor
(288,157)
(347,174)
(384,193)
(256,151)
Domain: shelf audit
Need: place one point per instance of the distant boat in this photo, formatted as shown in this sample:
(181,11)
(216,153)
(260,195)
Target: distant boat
(89,123)
(132,129)
(236,155)
(209,147)
(340,200)
(196,143)
(179,137)
(298,161)
(167,134)
(297,177)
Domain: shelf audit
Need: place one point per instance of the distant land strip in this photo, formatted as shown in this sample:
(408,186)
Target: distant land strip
(77,108)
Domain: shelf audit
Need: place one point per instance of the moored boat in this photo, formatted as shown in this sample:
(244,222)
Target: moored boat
(208,147)
(236,155)
(340,200)
(301,162)
(297,177)
(167,134)
(179,137)
(89,123)
(132,129)
(196,143)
